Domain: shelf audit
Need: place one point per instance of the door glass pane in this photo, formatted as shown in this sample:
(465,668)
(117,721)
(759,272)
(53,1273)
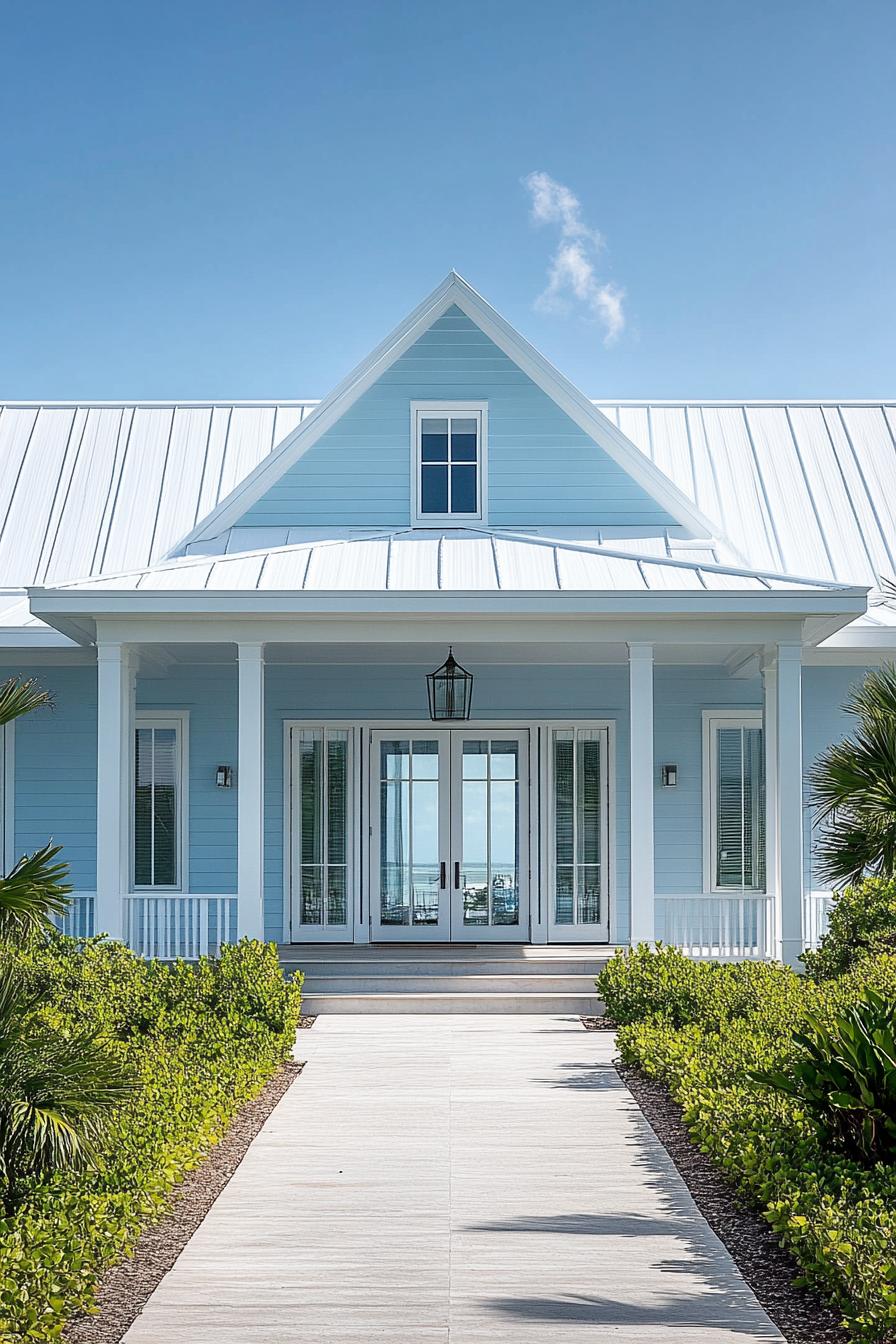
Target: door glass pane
(323,826)
(578,827)
(409,832)
(490,819)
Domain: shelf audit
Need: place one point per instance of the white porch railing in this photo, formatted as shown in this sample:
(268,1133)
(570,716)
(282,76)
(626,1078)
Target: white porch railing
(816,909)
(172,926)
(77,922)
(731,928)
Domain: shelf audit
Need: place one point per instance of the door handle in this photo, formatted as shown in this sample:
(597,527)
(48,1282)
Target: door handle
(442,875)
(456,876)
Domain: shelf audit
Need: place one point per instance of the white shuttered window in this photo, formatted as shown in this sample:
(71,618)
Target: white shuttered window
(158,803)
(734,793)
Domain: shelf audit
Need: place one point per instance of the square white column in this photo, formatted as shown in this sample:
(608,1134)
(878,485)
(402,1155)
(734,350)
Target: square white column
(115,727)
(789,790)
(640,680)
(770,753)
(250,792)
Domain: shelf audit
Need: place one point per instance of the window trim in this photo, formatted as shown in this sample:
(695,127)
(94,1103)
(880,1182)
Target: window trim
(713,719)
(419,409)
(179,720)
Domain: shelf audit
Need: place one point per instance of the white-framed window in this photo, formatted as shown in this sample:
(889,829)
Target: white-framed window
(733,801)
(159,802)
(321,829)
(448,455)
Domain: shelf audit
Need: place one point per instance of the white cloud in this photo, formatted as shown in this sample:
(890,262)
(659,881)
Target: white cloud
(572,273)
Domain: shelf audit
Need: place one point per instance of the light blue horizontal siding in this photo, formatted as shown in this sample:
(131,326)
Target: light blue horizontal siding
(55,770)
(543,469)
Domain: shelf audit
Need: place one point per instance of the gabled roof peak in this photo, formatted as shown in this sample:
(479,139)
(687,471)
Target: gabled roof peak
(453,290)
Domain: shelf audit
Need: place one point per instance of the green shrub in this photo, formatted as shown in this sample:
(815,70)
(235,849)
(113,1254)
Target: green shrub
(835,1214)
(843,1074)
(201,1039)
(862,922)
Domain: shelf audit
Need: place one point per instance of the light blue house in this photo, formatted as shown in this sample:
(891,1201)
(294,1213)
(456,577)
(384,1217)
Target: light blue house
(236,608)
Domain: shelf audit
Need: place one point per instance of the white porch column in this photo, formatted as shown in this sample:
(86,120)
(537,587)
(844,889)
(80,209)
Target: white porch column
(114,731)
(640,680)
(789,830)
(770,751)
(250,792)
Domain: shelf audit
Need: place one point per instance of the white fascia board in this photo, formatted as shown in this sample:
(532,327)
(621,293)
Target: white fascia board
(33,637)
(51,604)
(452,291)
(874,639)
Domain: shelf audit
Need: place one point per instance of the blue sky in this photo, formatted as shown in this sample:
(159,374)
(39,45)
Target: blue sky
(238,200)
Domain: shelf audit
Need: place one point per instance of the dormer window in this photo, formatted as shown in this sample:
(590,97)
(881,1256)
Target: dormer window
(449,462)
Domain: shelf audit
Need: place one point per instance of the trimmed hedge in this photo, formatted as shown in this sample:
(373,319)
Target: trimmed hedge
(700,1029)
(203,1039)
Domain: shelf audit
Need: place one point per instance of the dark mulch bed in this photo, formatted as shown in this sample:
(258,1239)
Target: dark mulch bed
(598,1024)
(307,1022)
(126,1286)
(800,1315)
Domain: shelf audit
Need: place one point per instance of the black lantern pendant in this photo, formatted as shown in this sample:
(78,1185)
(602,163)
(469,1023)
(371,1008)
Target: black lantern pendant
(450,690)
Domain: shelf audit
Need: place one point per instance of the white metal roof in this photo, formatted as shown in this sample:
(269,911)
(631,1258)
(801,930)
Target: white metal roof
(802,488)
(799,488)
(476,560)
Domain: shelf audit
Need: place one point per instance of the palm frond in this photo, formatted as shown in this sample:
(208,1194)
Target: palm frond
(32,893)
(853,787)
(18,697)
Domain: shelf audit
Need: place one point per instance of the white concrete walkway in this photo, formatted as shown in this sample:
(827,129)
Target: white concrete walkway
(458,1179)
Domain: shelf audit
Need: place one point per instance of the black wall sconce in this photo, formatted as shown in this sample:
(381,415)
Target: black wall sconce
(224,776)
(670,776)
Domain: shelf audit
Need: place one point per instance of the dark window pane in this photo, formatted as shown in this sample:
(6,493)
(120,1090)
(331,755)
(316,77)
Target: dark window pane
(463,489)
(434,440)
(463,440)
(434,489)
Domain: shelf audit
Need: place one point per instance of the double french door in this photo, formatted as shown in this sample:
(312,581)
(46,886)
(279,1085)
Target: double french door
(449,836)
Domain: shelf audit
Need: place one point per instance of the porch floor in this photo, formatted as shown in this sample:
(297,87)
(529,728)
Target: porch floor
(459,1180)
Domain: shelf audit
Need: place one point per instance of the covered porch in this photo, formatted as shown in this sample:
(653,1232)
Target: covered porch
(632,767)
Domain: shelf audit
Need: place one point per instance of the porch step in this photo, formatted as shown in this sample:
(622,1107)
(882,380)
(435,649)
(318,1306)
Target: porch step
(437,982)
(483,978)
(581,1005)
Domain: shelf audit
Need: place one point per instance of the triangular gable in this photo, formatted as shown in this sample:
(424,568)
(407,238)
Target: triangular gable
(453,294)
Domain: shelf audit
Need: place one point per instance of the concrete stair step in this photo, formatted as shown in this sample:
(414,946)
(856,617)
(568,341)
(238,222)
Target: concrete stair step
(582,1005)
(388,968)
(460,982)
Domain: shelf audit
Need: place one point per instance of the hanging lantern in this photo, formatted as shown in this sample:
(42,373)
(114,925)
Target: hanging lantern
(450,690)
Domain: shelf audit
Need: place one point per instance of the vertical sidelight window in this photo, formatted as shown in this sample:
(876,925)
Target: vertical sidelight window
(734,802)
(448,450)
(323,826)
(158,808)
(579,826)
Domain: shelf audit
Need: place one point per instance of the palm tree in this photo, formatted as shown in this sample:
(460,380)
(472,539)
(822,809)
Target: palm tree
(56,1091)
(36,888)
(854,787)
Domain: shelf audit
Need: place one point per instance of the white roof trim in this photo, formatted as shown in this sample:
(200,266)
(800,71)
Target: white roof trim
(452,291)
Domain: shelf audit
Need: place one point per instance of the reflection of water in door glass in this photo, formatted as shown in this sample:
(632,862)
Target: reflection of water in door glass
(490,821)
(409,832)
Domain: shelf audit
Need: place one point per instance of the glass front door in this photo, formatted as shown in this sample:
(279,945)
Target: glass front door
(449,836)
